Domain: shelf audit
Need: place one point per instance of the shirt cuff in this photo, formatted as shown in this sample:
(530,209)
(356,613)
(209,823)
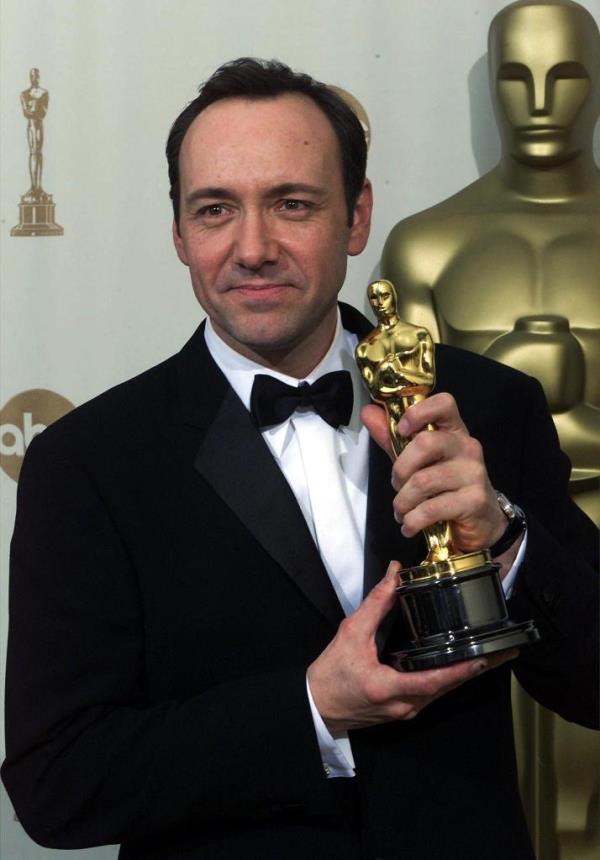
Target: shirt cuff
(509,580)
(336,753)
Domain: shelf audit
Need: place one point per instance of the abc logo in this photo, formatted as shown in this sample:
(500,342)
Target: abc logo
(23,417)
(354,104)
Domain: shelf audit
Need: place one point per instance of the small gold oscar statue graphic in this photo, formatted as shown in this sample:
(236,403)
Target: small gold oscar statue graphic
(452,602)
(36,208)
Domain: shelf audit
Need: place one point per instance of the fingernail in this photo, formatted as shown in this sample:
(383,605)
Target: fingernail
(403,426)
(392,570)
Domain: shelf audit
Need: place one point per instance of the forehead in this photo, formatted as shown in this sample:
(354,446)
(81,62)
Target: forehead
(543,35)
(380,293)
(286,138)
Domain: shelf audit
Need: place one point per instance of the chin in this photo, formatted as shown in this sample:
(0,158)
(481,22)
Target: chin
(264,339)
(547,154)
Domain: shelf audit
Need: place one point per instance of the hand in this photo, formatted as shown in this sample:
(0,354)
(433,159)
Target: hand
(352,689)
(440,475)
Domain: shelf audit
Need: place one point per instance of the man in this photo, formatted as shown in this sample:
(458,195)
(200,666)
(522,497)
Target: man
(181,675)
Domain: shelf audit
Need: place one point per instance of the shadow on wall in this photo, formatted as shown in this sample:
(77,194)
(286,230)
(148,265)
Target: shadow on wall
(485,139)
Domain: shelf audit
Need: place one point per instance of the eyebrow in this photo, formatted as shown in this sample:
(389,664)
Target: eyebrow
(222,193)
(288,188)
(203,193)
(568,68)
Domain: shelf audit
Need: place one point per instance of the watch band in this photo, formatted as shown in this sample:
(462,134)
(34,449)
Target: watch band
(517,524)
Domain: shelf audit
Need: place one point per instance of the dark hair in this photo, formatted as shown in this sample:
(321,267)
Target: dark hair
(261,79)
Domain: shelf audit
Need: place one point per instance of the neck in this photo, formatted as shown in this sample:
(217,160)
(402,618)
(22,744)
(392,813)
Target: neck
(297,363)
(558,183)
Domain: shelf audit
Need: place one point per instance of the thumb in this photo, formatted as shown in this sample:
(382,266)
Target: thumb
(375,420)
(378,602)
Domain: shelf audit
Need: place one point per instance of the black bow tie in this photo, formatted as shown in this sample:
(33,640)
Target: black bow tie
(272,401)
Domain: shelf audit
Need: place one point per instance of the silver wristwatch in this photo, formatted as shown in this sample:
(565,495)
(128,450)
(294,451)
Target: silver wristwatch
(517,524)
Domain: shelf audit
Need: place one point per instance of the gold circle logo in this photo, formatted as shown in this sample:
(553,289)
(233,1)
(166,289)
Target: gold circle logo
(23,417)
(354,104)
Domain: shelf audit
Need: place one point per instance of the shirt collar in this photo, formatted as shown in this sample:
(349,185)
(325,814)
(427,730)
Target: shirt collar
(240,371)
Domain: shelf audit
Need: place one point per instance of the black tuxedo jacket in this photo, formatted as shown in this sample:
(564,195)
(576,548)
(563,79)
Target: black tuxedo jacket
(167,598)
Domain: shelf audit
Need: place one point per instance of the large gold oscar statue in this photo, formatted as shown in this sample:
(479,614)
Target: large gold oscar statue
(510,267)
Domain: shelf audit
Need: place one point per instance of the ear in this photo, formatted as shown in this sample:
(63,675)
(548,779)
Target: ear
(361,221)
(179,244)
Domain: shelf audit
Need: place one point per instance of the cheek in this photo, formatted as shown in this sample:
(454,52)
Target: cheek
(206,260)
(329,248)
(569,96)
(513,100)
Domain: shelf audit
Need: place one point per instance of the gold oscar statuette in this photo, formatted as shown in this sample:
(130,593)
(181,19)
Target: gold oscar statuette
(453,602)
(36,209)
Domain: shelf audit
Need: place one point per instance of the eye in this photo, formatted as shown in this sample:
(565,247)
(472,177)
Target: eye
(293,205)
(212,210)
(513,72)
(568,71)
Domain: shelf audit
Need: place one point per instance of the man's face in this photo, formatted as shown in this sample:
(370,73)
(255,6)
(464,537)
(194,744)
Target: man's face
(544,97)
(264,226)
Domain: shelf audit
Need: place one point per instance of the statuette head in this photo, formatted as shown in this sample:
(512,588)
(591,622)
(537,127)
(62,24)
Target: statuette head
(382,297)
(545,88)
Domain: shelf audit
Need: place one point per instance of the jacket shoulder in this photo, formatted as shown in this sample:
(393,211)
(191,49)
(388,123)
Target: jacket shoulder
(462,372)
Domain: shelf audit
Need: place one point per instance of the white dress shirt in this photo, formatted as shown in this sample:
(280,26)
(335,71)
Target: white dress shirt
(327,470)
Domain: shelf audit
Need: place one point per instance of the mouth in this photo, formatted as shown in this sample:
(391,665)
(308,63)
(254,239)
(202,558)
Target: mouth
(540,130)
(259,289)
(262,294)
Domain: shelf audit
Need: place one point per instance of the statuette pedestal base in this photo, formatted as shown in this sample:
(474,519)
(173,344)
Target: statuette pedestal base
(455,610)
(36,217)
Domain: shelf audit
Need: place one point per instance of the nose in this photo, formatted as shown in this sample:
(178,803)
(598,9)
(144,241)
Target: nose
(540,93)
(255,243)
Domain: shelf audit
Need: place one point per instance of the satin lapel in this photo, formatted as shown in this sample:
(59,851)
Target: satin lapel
(384,541)
(237,463)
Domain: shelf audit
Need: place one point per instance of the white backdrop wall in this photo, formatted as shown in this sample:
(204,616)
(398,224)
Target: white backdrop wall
(85,310)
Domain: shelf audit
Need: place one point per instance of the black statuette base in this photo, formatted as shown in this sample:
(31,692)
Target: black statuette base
(456,617)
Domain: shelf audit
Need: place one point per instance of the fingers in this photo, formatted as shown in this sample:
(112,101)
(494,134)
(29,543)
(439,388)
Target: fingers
(439,409)
(431,683)
(441,476)
(500,657)
(466,507)
(415,690)
(436,462)
(439,446)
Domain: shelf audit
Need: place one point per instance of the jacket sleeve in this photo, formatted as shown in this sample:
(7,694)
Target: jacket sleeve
(557,584)
(91,759)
